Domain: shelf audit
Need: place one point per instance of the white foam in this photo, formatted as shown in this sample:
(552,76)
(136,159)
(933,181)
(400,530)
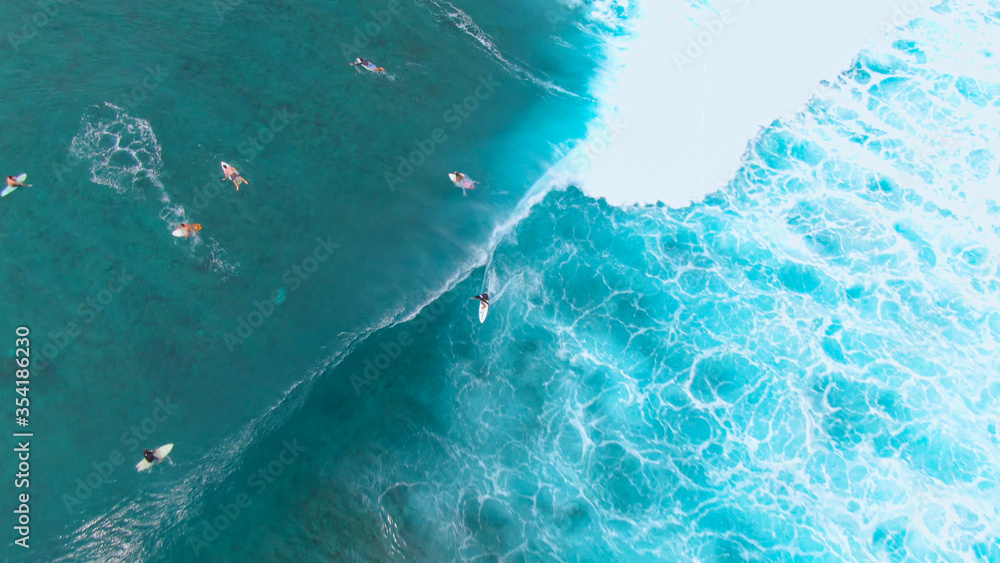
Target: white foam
(468,26)
(686,117)
(121,149)
(124,155)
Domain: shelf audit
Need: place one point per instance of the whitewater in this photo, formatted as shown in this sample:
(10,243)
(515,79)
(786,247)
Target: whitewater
(688,84)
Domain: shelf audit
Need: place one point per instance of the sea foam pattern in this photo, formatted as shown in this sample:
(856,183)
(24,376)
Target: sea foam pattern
(122,150)
(802,367)
(125,156)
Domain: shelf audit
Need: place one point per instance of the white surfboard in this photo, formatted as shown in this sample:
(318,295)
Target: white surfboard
(180,232)
(373,68)
(232,174)
(159,454)
(484,309)
(465,183)
(10,189)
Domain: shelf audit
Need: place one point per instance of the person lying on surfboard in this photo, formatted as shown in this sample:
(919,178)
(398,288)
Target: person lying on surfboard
(368,64)
(186,229)
(233,175)
(462,181)
(13,183)
(485,298)
(149,455)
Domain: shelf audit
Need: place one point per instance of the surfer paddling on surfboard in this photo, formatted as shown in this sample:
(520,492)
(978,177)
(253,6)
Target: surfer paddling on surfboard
(233,175)
(17,181)
(365,63)
(462,181)
(152,457)
(14,182)
(186,229)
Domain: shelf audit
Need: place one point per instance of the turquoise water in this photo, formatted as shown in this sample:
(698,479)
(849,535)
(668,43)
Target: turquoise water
(121,114)
(799,367)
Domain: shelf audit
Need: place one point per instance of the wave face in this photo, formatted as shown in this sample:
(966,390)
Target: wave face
(800,367)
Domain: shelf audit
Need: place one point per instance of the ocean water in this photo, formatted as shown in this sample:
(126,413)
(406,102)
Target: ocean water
(797,366)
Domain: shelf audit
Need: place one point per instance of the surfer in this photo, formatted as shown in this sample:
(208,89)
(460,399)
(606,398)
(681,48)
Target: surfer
(484,306)
(462,181)
(233,175)
(16,182)
(186,229)
(153,457)
(368,64)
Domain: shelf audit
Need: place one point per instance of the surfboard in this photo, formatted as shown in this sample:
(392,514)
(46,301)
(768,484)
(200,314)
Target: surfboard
(233,175)
(484,309)
(180,232)
(10,189)
(159,454)
(367,65)
(465,183)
